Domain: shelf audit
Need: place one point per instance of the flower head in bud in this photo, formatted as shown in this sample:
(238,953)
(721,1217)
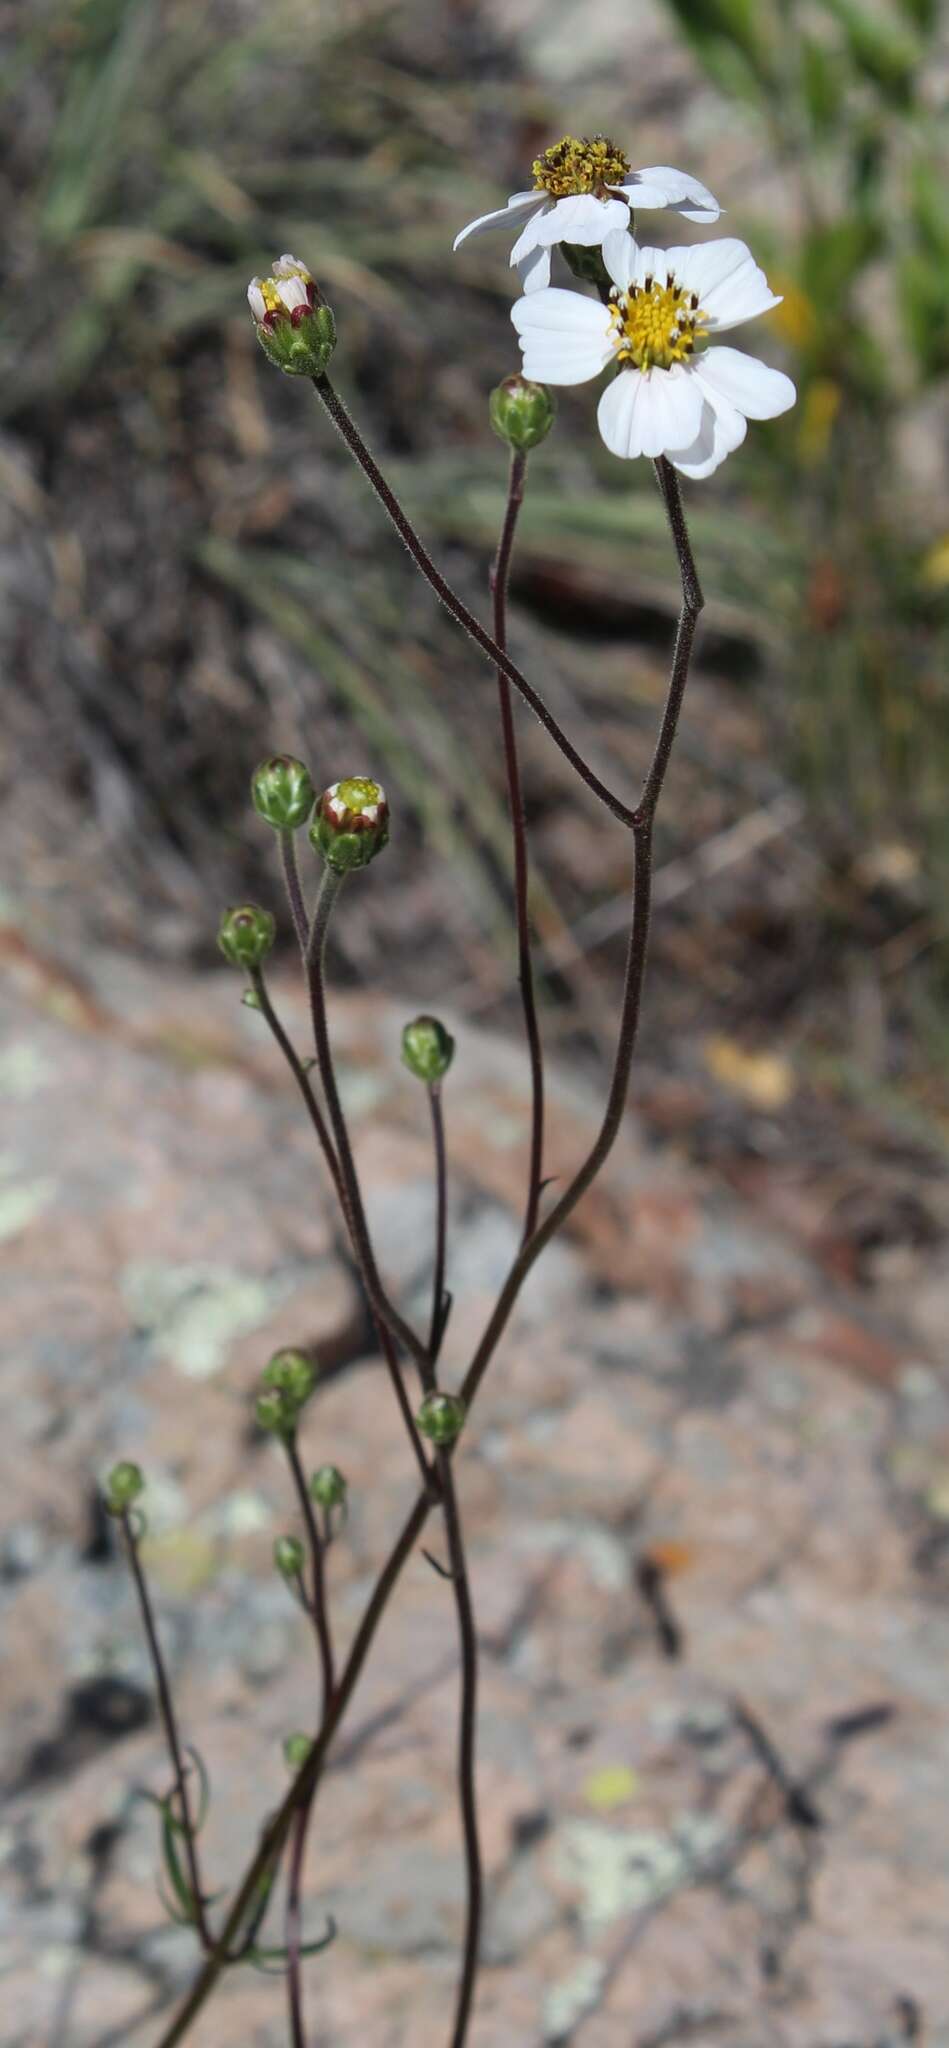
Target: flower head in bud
(351,823)
(246,934)
(295,326)
(291,1373)
(282,792)
(288,1556)
(427,1049)
(123,1486)
(275,1413)
(296,1749)
(521,412)
(441,1418)
(328,1487)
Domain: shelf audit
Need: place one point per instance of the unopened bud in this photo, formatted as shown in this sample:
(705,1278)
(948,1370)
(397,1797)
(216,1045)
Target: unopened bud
(441,1418)
(123,1486)
(275,1413)
(288,1556)
(246,935)
(328,1487)
(282,792)
(427,1049)
(521,412)
(296,1749)
(294,324)
(351,823)
(291,1373)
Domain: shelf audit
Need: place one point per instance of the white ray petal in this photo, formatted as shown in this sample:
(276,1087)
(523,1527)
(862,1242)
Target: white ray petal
(753,388)
(729,284)
(722,430)
(677,189)
(584,219)
(519,207)
(533,270)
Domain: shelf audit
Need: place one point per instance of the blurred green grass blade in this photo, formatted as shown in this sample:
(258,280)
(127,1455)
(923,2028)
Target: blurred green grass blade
(91,129)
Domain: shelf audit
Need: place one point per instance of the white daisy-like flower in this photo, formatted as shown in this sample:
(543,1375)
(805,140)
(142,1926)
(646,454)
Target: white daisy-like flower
(583,191)
(673,394)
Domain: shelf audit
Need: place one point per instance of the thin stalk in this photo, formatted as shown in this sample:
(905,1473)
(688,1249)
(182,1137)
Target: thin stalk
(291,876)
(318,1608)
(346,426)
(385,1313)
(441,1208)
(301,1078)
(172,1738)
(294,1909)
(304,1786)
(467,1731)
(525,974)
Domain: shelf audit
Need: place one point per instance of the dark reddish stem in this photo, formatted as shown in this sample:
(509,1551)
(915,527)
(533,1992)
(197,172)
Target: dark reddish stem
(525,974)
(291,876)
(459,611)
(467,1731)
(320,1614)
(172,1737)
(304,1786)
(441,1211)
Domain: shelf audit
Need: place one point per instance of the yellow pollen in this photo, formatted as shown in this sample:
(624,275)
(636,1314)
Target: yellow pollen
(357,792)
(656,324)
(271,296)
(580,163)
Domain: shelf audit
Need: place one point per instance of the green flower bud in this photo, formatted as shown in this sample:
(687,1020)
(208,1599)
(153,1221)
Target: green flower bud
(294,324)
(291,1373)
(427,1049)
(521,412)
(275,1413)
(441,1417)
(296,1749)
(288,1556)
(328,1487)
(124,1485)
(282,792)
(251,999)
(351,823)
(246,935)
(587,264)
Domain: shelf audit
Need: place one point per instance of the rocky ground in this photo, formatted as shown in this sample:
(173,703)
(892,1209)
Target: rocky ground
(706,1493)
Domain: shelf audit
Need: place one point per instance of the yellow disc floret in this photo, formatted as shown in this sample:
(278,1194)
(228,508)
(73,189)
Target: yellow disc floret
(580,163)
(656,325)
(358,793)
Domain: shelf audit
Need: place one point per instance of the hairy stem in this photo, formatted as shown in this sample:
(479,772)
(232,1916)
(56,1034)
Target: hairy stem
(525,974)
(291,876)
(385,1313)
(467,1727)
(443,591)
(320,1613)
(304,1786)
(441,1209)
(172,1737)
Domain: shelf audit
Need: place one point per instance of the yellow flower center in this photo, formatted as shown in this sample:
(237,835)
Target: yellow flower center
(271,296)
(656,325)
(358,793)
(579,163)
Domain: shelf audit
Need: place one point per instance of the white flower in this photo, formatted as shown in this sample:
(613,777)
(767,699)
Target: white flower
(584,190)
(289,288)
(672,395)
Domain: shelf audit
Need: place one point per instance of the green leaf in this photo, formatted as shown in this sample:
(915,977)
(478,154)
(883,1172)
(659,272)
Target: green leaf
(179,1883)
(273,1961)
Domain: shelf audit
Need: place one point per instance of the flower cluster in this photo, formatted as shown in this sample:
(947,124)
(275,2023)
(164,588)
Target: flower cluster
(674,393)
